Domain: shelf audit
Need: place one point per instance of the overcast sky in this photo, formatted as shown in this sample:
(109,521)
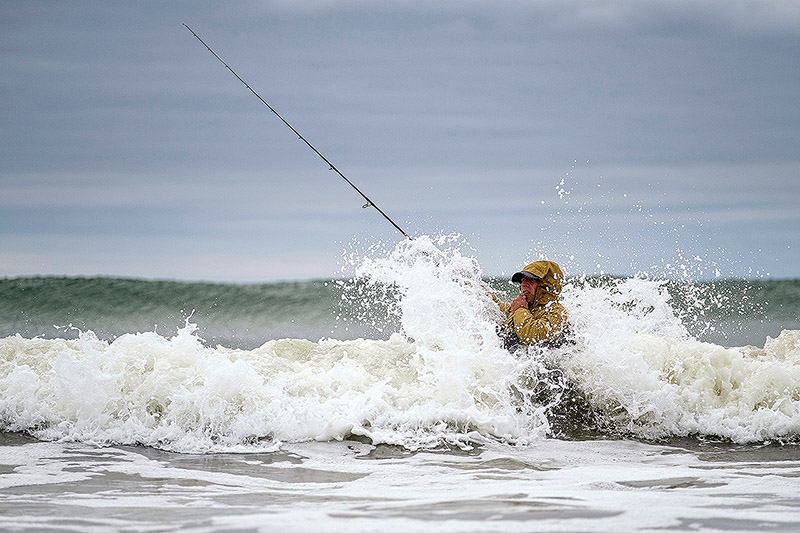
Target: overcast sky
(614,137)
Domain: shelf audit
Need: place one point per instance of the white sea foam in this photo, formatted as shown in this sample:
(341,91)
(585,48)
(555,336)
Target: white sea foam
(178,394)
(443,379)
(639,366)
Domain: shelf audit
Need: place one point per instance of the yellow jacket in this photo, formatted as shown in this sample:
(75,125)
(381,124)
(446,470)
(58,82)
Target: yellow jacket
(545,320)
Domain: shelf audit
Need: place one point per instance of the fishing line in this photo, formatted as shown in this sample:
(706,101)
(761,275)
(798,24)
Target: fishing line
(331,166)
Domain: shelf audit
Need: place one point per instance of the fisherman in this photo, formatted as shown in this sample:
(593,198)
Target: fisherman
(535,317)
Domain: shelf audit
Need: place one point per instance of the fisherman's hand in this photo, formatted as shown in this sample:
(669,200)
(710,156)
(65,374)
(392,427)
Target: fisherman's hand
(519,301)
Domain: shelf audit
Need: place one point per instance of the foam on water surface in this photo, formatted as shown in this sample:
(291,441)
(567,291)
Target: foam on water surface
(443,379)
(607,485)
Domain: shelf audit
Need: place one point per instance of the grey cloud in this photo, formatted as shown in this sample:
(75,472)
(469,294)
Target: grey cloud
(452,116)
(749,16)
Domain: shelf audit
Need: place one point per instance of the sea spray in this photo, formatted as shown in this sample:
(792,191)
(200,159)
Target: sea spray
(444,309)
(443,380)
(438,376)
(439,297)
(646,376)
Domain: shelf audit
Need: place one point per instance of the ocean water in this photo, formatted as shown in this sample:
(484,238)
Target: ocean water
(385,401)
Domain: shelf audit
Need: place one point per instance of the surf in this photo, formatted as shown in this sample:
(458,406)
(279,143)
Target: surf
(435,375)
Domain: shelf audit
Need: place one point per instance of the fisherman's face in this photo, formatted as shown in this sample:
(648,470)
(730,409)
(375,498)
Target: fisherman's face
(528,287)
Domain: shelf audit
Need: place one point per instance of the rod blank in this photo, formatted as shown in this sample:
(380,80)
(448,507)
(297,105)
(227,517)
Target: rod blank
(331,166)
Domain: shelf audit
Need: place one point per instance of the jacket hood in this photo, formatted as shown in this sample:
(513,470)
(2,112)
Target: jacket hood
(548,273)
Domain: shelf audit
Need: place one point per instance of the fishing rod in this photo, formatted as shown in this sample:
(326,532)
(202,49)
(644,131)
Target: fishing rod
(331,166)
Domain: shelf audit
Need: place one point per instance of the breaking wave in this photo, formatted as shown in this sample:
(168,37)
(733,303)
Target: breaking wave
(440,378)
